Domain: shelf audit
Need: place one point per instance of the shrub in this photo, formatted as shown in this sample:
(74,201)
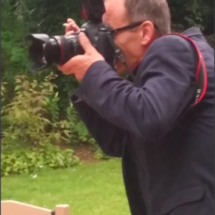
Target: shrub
(31,131)
(29,161)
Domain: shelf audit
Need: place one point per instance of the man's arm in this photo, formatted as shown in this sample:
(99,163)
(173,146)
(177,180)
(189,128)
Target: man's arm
(108,136)
(166,88)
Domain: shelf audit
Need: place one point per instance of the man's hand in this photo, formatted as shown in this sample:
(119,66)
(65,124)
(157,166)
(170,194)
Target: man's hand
(79,65)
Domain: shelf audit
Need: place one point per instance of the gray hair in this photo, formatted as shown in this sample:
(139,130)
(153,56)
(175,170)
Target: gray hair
(156,11)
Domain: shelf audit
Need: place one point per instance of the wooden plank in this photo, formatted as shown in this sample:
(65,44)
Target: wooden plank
(62,210)
(19,208)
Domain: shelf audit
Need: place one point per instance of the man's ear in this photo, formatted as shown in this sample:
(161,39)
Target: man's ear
(147,31)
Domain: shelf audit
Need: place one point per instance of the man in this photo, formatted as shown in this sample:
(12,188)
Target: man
(166,144)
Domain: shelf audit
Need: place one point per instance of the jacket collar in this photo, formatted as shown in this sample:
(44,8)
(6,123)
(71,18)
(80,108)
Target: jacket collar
(194,31)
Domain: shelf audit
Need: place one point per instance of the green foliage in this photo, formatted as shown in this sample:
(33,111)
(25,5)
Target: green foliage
(31,117)
(192,13)
(30,161)
(99,154)
(30,121)
(13,50)
(46,16)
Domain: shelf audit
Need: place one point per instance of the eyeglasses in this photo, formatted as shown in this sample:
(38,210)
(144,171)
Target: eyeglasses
(133,25)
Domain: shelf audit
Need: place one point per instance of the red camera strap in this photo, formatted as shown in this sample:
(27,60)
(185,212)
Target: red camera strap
(201,71)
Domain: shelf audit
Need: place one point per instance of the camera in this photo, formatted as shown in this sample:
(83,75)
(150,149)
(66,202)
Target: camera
(47,50)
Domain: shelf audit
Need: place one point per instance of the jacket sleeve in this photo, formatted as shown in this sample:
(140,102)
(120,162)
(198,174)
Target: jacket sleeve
(108,136)
(164,89)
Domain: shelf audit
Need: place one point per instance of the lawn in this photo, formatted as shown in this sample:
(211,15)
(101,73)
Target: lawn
(90,189)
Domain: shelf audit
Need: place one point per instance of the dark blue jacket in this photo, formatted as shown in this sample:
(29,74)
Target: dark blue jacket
(167,156)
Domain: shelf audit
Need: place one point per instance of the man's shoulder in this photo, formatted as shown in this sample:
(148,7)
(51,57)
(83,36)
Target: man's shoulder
(169,55)
(170,48)
(180,41)
(171,42)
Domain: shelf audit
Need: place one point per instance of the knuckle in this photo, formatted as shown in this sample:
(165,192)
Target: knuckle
(69,33)
(70,20)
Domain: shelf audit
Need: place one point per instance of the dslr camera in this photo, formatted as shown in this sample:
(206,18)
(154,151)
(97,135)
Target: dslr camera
(47,50)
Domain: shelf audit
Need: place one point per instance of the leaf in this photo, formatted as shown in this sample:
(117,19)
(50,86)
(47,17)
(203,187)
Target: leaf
(17,88)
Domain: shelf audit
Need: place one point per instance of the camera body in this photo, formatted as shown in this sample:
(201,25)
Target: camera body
(46,50)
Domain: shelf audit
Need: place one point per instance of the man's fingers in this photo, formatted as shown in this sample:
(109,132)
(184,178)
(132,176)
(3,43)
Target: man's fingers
(70,20)
(71,27)
(69,33)
(86,44)
(67,68)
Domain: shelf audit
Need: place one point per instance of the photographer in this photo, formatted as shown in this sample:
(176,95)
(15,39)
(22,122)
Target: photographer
(166,143)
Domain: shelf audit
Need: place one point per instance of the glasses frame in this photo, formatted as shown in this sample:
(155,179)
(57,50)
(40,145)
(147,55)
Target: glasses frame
(128,27)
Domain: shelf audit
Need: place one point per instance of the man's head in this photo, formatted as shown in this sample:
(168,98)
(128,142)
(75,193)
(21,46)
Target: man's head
(154,16)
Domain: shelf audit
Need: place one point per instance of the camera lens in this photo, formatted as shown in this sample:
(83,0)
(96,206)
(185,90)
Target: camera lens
(51,51)
(45,50)
(64,48)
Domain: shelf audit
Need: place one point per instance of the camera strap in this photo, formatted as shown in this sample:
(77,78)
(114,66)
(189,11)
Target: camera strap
(200,79)
(201,71)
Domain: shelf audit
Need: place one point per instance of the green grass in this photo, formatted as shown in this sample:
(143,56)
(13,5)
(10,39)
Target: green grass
(93,189)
